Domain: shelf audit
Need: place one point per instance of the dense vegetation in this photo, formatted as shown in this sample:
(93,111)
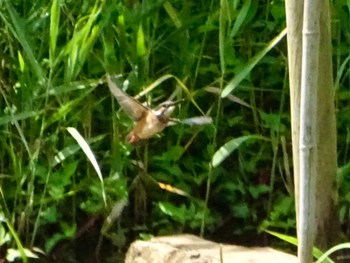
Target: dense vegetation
(54,57)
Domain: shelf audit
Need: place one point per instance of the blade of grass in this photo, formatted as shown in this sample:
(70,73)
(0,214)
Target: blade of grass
(16,238)
(225,150)
(294,241)
(251,64)
(340,72)
(72,149)
(54,23)
(325,258)
(88,152)
(19,32)
(21,62)
(141,49)
(18,117)
(181,84)
(224,16)
(172,14)
(65,109)
(241,17)
(13,119)
(80,45)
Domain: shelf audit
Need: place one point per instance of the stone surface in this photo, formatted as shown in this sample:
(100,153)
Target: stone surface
(192,249)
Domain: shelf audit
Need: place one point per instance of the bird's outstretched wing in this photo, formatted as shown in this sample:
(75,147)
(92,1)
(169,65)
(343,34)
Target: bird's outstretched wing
(130,105)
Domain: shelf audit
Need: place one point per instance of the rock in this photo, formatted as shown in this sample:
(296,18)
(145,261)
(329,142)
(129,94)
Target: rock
(192,249)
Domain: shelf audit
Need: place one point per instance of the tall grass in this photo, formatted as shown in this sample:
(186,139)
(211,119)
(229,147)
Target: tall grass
(54,59)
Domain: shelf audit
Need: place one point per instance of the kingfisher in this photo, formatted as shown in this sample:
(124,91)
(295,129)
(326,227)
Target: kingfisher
(149,122)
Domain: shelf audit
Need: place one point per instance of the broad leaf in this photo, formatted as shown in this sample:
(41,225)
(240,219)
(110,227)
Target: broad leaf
(225,150)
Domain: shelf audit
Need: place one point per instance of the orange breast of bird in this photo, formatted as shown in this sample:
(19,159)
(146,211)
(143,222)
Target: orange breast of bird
(147,126)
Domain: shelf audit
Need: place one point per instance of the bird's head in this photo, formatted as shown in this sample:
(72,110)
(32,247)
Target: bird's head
(166,108)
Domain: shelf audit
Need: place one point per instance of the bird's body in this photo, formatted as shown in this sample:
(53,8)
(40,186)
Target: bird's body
(148,125)
(149,122)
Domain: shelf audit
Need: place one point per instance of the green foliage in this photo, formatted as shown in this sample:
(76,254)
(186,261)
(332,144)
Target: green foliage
(233,175)
(229,147)
(187,216)
(325,256)
(321,257)
(282,216)
(5,239)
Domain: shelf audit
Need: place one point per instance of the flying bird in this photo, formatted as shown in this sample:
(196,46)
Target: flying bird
(149,122)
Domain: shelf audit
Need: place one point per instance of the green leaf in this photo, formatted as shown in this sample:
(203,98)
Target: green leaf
(88,152)
(86,32)
(176,213)
(12,254)
(57,192)
(241,210)
(22,64)
(257,190)
(70,150)
(172,14)
(240,18)
(69,230)
(251,64)
(18,29)
(49,215)
(21,250)
(290,239)
(225,150)
(141,46)
(54,23)
(18,117)
(4,236)
(51,242)
(114,214)
(325,258)
(294,241)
